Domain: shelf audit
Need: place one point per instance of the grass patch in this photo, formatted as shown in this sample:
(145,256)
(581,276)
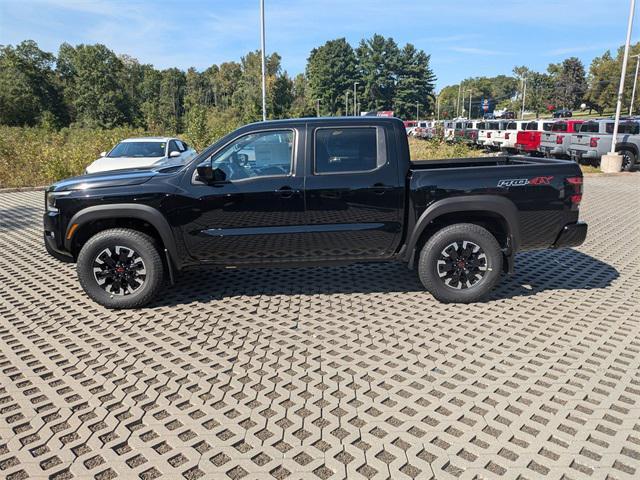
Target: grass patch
(590,169)
(438,149)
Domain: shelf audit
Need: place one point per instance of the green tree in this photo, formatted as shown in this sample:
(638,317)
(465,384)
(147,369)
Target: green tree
(415,84)
(196,127)
(171,100)
(378,65)
(226,80)
(92,77)
(28,87)
(331,71)
(302,105)
(247,97)
(570,83)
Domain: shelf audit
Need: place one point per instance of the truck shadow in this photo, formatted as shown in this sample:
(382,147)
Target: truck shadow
(564,269)
(539,271)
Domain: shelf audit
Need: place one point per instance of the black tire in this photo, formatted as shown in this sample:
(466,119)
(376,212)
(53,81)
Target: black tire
(133,284)
(628,160)
(460,289)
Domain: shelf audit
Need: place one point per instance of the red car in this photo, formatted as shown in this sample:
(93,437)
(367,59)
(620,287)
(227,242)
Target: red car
(528,139)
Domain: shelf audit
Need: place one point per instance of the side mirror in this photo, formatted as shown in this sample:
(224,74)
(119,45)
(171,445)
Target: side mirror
(209,175)
(174,154)
(103,154)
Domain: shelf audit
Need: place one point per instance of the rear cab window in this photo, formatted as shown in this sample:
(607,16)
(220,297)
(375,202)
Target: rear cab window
(559,127)
(589,127)
(349,150)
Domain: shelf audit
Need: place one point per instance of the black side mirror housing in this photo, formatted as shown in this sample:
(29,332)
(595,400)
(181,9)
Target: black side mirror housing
(210,175)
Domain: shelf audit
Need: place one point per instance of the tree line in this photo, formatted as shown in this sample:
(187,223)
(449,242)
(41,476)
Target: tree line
(90,86)
(563,85)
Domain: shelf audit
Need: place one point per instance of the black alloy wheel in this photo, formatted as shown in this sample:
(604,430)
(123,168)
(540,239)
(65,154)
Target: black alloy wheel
(119,270)
(462,264)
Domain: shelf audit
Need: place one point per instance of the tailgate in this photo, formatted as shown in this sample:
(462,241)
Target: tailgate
(582,140)
(548,138)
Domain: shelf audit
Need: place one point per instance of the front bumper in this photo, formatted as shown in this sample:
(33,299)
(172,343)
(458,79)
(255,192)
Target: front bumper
(571,235)
(54,238)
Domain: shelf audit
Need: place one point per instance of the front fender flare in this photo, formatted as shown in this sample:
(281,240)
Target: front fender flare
(127,210)
(494,204)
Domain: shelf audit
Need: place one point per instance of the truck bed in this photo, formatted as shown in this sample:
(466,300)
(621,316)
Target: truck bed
(514,160)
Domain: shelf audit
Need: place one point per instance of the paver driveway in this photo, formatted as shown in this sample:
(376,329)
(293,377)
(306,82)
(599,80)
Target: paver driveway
(329,372)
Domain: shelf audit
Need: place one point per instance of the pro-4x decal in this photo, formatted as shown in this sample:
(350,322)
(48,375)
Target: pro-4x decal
(522,182)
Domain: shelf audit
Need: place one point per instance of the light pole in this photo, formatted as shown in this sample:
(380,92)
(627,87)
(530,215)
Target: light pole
(317,107)
(625,60)
(417,111)
(355,99)
(264,73)
(524,96)
(635,83)
(470,93)
(438,108)
(346,103)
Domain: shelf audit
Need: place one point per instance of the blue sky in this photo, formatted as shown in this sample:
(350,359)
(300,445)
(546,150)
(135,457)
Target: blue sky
(464,37)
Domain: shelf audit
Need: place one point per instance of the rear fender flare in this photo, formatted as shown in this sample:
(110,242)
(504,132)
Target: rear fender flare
(127,210)
(495,204)
(632,147)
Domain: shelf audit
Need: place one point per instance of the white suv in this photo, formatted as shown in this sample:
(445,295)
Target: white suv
(143,153)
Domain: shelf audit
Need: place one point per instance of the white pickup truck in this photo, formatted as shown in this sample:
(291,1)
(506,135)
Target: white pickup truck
(555,142)
(506,139)
(593,140)
(489,130)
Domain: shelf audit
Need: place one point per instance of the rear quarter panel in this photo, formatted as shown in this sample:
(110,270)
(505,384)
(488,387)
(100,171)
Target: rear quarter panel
(543,208)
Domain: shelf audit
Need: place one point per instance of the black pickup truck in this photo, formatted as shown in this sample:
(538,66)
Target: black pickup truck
(312,192)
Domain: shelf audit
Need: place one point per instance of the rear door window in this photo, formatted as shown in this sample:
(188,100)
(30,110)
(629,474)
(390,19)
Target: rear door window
(589,127)
(341,150)
(559,127)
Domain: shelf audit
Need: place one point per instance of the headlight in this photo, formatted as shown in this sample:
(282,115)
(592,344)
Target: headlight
(51,200)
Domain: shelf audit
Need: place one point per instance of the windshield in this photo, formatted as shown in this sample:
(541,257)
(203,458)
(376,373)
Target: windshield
(138,149)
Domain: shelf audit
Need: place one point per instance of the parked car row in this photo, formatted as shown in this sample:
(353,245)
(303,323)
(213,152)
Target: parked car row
(565,138)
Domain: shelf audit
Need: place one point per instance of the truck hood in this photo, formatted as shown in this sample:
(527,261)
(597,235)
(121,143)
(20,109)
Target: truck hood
(105,164)
(117,178)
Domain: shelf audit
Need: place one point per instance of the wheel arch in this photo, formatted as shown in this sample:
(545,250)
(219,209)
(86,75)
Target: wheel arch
(132,216)
(497,214)
(632,147)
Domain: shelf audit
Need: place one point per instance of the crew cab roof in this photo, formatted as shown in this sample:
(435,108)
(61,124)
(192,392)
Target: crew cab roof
(370,120)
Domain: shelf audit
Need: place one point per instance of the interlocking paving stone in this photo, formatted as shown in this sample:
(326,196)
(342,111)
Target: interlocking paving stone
(327,372)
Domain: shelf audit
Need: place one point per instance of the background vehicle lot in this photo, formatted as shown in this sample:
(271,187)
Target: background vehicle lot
(338,372)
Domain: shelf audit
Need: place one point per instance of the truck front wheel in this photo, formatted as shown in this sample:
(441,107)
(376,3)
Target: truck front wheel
(460,263)
(120,268)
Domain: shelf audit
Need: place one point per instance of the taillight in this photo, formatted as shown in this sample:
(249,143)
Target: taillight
(574,191)
(506,136)
(488,134)
(559,139)
(594,142)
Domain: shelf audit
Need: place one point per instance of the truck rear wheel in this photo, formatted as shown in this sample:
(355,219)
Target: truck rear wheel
(628,160)
(120,268)
(460,263)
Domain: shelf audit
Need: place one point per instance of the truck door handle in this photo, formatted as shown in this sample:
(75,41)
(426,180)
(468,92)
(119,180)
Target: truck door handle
(286,192)
(381,188)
